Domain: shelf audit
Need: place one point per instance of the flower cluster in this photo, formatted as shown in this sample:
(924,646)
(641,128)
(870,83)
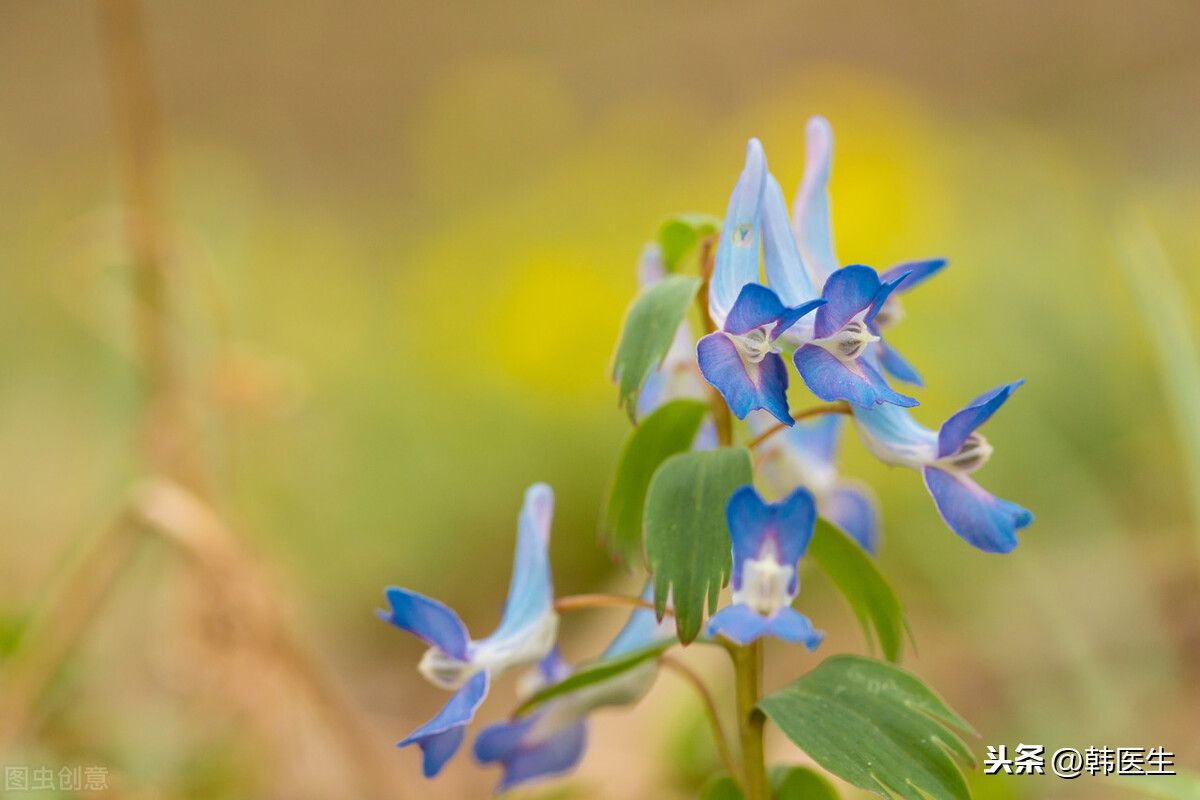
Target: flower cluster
(829,320)
(839,354)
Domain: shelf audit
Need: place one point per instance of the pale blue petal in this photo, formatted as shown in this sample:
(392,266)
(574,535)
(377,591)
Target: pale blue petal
(814,232)
(736,261)
(981,519)
(894,437)
(781,258)
(530,593)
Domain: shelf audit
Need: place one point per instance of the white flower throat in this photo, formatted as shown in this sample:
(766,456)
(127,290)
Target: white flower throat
(765,584)
(972,455)
(849,342)
(754,345)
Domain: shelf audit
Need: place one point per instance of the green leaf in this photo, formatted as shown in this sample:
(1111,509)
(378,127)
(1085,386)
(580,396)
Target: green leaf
(667,431)
(687,542)
(799,783)
(678,235)
(876,726)
(646,336)
(595,672)
(870,596)
(721,787)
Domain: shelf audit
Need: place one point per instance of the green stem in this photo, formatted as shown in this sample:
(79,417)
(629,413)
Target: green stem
(747,665)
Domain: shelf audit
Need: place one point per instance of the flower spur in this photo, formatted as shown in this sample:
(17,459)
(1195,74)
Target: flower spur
(525,635)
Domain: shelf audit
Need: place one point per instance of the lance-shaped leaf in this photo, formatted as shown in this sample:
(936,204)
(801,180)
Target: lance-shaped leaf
(870,596)
(667,431)
(679,235)
(876,726)
(646,336)
(687,541)
(595,672)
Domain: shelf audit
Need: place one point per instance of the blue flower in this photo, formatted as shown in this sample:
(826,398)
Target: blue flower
(831,359)
(550,741)
(740,359)
(804,455)
(768,541)
(946,458)
(814,237)
(525,635)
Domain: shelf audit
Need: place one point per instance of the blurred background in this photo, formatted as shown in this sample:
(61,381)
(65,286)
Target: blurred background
(399,239)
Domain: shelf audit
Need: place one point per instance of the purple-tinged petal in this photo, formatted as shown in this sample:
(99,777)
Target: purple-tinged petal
(895,364)
(736,261)
(955,430)
(526,757)
(815,440)
(438,748)
(847,292)
(757,306)
(530,594)
(706,437)
(852,510)
(830,378)
(918,272)
(981,519)
(791,626)
(743,625)
(883,392)
(640,630)
(499,741)
(429,620)
(553,668)
(783,528)
(724,368)
(440,737)
(650,269)
(856,382)
(781,258)
(793,315)
(738,623)
(881,295)
(814,232)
